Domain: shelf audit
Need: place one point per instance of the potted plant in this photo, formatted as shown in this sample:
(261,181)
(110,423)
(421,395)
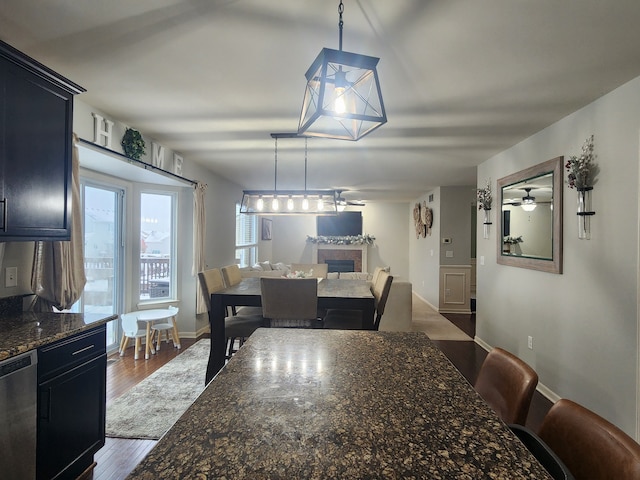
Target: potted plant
(133,144)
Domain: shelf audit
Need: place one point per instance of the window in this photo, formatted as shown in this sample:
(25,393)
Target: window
(157,246)
(246,238)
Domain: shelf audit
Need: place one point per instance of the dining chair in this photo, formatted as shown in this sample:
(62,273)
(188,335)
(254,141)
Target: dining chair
(236,326)
(507,384)
(320,270)
(231,276)
(543,453)
(352,319)
(290,302)
(131,328)
(592,447)
(169,328)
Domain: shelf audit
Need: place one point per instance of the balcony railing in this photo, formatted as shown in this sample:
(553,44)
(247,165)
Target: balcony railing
(155,273)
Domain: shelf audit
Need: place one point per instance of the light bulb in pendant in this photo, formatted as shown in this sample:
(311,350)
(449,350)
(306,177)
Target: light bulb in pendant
(275,205)
(320,203)
(305,203)
(260,204)
(290,203)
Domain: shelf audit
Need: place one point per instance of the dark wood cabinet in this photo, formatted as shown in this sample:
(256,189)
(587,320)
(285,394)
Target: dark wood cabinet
(36,115)
(71,404)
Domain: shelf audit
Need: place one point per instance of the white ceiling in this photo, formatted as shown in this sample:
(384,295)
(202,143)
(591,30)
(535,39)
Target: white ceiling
(461,79)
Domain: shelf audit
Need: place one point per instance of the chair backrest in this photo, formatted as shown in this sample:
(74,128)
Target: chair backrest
(320,270)
(289,298)
(381,290)
(211,282)
(543,453)
(130,325)
(231,275)
(592,447)
(374,276)
(507,384)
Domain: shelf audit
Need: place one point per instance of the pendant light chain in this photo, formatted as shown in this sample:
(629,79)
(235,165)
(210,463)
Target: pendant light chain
(275,177)
(340,23)
(305,164)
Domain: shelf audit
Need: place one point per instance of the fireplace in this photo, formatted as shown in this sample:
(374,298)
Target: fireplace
(323,253)
(340,265)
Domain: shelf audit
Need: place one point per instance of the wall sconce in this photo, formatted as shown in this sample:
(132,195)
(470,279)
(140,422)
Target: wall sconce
(584,212)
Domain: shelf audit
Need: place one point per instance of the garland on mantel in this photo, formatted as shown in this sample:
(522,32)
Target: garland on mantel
(349,240)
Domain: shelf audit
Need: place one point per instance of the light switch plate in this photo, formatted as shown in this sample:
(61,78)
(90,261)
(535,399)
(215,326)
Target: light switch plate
(11,277)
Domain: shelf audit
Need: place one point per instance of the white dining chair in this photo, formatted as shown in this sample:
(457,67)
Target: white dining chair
(131,328)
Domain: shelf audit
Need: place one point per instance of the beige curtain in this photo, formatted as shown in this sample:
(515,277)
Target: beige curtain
(199,237)
(58,277)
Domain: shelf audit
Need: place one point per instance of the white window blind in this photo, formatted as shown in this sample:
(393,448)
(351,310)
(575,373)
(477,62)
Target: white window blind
(246,238)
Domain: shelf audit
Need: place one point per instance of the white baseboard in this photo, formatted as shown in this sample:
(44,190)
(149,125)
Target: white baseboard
(426,301)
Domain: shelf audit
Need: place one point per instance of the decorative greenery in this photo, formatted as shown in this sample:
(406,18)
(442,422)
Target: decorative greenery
(484,197)
(349,240)
(582,169)
(513,240)
(133,144)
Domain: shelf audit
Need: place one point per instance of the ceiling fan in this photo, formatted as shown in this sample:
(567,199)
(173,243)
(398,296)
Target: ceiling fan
(528,202)
(343,202)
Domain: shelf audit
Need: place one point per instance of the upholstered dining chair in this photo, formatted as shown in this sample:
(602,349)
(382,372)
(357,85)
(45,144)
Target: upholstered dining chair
(592,447)
(132,329)
(236,326)
(231,276)
(290,302)
(507,384)
(320,270)
(352,319)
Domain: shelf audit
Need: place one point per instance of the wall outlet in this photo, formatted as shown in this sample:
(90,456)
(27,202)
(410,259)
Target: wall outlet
(11,277)
(530,342)
(481,259)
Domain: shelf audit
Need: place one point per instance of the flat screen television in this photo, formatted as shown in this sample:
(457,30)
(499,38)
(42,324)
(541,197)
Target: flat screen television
(345,224)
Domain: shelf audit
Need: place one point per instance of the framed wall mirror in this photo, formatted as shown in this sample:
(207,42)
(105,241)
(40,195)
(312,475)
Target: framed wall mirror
(530,224)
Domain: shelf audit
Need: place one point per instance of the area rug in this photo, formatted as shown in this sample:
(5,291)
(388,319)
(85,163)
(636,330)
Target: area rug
(426,319)
(152,406)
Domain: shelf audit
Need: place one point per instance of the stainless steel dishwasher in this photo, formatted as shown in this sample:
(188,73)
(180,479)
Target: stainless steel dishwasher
(18,416)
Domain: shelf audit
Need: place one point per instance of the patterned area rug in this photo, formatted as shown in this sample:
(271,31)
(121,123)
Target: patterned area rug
(152,406)
(426,319)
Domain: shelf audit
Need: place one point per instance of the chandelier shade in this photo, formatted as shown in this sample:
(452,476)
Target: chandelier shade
(289,202)
(342,99)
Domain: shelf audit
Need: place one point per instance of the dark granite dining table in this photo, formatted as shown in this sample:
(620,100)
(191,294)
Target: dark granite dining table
(333,404)
(332,293)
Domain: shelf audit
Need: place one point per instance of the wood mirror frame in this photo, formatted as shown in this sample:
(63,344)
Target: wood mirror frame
(554,264)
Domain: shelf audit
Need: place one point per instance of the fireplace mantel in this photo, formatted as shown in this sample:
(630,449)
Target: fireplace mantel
(357,252)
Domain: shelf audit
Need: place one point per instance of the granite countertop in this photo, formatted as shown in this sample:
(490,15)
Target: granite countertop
(331,404)
(24,331)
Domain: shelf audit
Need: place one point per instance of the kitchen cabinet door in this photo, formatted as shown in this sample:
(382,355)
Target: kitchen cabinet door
(36,113)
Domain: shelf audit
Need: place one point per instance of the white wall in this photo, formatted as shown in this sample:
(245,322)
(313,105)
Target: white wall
(583,322)
(455,223)
(424,253)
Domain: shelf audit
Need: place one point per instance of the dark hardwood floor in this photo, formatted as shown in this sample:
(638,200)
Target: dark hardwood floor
(119,456)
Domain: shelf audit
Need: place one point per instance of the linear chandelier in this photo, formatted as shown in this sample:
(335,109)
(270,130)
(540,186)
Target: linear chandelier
(342,99)
(289,202)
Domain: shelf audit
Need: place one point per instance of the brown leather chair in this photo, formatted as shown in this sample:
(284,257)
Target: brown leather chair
(590,446)
(507,384)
